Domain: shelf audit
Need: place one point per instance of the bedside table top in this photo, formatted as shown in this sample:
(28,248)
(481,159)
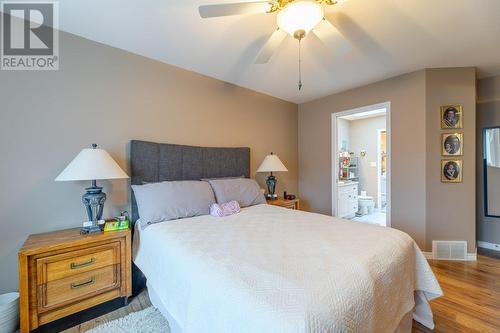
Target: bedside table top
(64,238)
(281,201)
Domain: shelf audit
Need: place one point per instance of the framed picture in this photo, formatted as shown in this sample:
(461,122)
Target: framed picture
(451,171)
(452,144)
(451,116)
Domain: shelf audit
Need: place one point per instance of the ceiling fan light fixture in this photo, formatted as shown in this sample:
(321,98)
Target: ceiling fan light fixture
(300,15)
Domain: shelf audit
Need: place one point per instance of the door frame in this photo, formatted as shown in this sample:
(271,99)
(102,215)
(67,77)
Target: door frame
(335,152)
(379,167)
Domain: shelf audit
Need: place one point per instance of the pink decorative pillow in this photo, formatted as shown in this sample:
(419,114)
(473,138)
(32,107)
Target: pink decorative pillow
(225,209)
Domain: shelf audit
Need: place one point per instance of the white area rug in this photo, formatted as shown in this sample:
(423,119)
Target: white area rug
(149,320)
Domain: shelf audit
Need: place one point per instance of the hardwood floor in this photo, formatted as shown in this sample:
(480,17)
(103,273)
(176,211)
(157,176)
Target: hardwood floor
(471,301)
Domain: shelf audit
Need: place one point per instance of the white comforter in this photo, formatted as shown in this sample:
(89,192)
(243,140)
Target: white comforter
(270,269)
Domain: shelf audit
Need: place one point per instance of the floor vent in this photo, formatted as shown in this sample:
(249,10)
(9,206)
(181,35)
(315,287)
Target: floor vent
(449,250)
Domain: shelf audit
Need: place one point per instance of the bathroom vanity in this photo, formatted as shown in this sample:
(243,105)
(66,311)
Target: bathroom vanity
(347,199)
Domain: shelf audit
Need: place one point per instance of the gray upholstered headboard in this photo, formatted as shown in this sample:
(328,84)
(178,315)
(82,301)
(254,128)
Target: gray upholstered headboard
(155,162)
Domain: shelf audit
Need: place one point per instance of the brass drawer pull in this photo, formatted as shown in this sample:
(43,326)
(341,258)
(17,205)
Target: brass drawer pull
(83,264)
(83,284)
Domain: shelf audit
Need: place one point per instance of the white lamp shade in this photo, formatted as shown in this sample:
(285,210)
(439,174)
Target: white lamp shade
(92,164)
(271,163)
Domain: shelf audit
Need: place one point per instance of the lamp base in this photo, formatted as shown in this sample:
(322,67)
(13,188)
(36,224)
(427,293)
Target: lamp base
(271,187)
(93,200)
(93,229)
(271,196)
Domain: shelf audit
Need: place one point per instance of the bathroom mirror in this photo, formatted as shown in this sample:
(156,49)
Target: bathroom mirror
(491,165)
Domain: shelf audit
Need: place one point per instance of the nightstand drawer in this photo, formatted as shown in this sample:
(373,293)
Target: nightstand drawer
(289,204)
(67,264)
(73,288)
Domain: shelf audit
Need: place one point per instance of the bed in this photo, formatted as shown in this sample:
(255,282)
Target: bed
(271,269)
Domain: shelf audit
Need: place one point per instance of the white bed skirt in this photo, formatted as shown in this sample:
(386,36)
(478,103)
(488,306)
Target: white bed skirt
(157,303)
(405,325)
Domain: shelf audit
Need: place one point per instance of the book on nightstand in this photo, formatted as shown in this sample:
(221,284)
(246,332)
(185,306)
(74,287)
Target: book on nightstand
(116,225)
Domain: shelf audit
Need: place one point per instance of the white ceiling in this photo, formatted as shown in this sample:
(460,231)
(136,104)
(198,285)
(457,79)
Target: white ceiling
(365,114)
(389,37)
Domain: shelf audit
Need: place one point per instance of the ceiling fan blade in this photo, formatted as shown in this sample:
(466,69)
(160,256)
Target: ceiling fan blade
(240,8)
(332,38)
(271,46)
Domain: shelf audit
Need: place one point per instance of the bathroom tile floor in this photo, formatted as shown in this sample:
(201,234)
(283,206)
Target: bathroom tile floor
(377,217)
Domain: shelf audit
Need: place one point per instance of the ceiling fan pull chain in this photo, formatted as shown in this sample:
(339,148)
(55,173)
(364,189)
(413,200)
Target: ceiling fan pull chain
(300,66)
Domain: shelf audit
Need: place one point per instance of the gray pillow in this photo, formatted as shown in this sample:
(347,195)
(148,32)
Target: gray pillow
(219,178)
(165,201)
(245,191)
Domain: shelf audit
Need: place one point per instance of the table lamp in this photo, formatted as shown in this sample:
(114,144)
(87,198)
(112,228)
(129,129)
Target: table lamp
(271,164)
(92,164)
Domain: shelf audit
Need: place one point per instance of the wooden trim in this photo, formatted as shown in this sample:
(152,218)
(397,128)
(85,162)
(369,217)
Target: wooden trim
(127,279)
(24,306)
(43,262)
(43,294)
(73,308)
(60,240)
(32,290)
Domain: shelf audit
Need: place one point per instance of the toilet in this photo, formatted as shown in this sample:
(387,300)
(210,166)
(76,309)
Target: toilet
(366,204)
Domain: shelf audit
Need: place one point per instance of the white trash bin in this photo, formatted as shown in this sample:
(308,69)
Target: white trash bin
(9,312)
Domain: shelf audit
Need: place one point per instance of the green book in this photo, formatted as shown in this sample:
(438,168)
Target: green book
(116,225)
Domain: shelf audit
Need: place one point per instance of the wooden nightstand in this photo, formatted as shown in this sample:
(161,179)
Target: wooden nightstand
(292,204)
(63,272)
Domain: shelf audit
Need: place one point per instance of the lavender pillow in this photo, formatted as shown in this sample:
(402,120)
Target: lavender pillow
(225,209)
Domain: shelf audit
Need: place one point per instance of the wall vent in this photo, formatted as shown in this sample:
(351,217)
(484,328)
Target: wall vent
(449,250)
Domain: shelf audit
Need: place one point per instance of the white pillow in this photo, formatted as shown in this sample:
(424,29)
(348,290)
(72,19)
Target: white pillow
(158,202)
(245,191)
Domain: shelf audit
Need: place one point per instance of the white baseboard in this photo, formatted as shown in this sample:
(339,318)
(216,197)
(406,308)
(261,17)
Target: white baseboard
(470,256)
(427,255)
(489,246)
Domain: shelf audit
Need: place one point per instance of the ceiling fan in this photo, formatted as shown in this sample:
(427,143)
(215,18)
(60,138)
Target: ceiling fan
(294,17)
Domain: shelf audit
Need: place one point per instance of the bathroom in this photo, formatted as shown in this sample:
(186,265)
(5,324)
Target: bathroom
(362,165)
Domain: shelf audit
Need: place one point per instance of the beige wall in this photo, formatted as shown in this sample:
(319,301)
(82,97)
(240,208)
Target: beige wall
(415,99)
(108,96)
(407,96)
(488,115)
(451,208)
(363,136)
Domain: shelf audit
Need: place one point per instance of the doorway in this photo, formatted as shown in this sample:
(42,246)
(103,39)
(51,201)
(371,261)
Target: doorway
(361,164)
